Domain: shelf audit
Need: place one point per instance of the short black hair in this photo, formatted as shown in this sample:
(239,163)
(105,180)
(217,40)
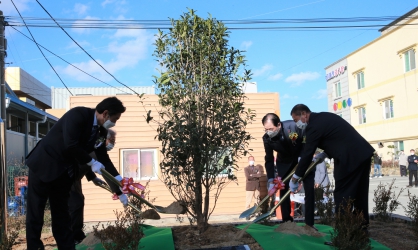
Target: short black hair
(299,108)
(272,117)
(112,104)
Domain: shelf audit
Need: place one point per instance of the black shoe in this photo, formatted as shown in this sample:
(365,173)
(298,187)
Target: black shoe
(78,241)
(312,227)
(328,243)
(409,186)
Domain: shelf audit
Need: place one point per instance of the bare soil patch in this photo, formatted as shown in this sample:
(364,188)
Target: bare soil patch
(396,235)
(293,228)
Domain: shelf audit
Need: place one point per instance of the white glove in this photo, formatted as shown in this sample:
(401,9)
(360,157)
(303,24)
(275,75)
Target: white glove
(270,184)
(118,178)
(96,166)
(98,181)
(294,184)
(321,156)
(123,199)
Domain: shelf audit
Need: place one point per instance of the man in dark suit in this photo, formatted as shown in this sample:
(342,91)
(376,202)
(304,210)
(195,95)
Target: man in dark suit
(76,199)
(287,140)
(340,141)
(53,165)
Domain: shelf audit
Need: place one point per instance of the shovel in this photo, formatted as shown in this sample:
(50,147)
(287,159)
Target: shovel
(252,210)
(266,215)
(105,186)
(159,209)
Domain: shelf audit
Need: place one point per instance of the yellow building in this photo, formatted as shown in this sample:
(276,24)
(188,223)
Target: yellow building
(377,91)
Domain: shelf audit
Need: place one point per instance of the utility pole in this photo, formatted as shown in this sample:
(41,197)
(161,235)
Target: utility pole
(3,172)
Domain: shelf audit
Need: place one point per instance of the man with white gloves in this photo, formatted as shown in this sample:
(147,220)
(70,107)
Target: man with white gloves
(286,140)
(53,166)
(76,200)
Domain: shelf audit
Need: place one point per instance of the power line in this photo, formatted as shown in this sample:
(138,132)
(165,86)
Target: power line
(68,62)
(85,50)
(40,48)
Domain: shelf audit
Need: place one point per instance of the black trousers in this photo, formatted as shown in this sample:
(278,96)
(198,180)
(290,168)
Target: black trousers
(76,209)
(403,170)
(354,186)
(57,192)
(413,174)
(309,186)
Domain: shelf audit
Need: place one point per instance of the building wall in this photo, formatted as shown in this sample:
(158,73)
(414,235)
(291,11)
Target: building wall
(60,96)
(337,73)
(133,132)
(385,78)
(25,85)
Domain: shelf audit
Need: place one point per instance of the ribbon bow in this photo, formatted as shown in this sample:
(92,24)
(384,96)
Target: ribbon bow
(278,185)
(128,186)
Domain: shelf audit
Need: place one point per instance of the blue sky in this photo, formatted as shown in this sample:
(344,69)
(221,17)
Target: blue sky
(289,62)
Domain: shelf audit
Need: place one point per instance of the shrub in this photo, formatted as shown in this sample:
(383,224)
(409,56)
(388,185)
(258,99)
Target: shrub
(411,211)
(325,206)
(14,226)
(386,201)
(349,230)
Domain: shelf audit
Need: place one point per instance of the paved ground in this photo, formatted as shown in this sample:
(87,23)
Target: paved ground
(400,182)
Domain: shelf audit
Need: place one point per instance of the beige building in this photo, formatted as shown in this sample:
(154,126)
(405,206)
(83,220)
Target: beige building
(137,154)
(378,90)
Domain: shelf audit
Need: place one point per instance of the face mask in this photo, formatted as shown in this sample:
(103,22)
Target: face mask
(272,134)
(301,125)
(109,146)
(412,153)
(108,124)
(251,163)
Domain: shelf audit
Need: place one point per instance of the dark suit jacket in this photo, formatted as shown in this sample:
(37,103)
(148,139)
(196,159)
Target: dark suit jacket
(412,164)
(66,144)
(338,139)
(287,150)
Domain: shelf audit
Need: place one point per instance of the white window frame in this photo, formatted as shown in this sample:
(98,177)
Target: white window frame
(337,89)
(409,61)
(388,103)
(362,115)
(137,177)
(360,80)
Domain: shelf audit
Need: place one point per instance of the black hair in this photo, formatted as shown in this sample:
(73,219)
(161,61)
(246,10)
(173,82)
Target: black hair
(272,117)
(299,108)
(112,104)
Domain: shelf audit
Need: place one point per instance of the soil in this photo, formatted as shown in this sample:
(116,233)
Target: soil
(396,235)
(150,214)
(293,228)
(175,208)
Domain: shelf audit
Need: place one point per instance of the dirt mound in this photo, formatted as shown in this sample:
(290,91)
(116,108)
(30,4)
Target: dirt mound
(90,240)
(175,208)
(189,237)
(150,214)
(293,228)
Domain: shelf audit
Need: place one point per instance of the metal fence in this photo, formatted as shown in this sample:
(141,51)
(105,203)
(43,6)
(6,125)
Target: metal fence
(17,179)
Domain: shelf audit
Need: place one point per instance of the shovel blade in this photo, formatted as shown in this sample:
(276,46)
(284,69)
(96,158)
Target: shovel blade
(261,217)
(248,212)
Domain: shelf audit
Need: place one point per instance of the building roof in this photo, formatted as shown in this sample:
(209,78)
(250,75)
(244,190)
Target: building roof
(399,19)
(29,107)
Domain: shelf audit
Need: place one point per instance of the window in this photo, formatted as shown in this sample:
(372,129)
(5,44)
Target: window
(360,80)
(388,109)
(139,163)
(409,60)
(223,156)
(398,145)
(337,90)
(17,124)
(361,115)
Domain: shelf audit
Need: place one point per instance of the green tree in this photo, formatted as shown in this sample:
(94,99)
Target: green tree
(203,119)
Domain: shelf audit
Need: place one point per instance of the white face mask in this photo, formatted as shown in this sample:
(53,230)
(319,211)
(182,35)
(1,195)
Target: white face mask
(108,124)
(301,125)
(272,134)
(109,146)
(412,153)
(251,163)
